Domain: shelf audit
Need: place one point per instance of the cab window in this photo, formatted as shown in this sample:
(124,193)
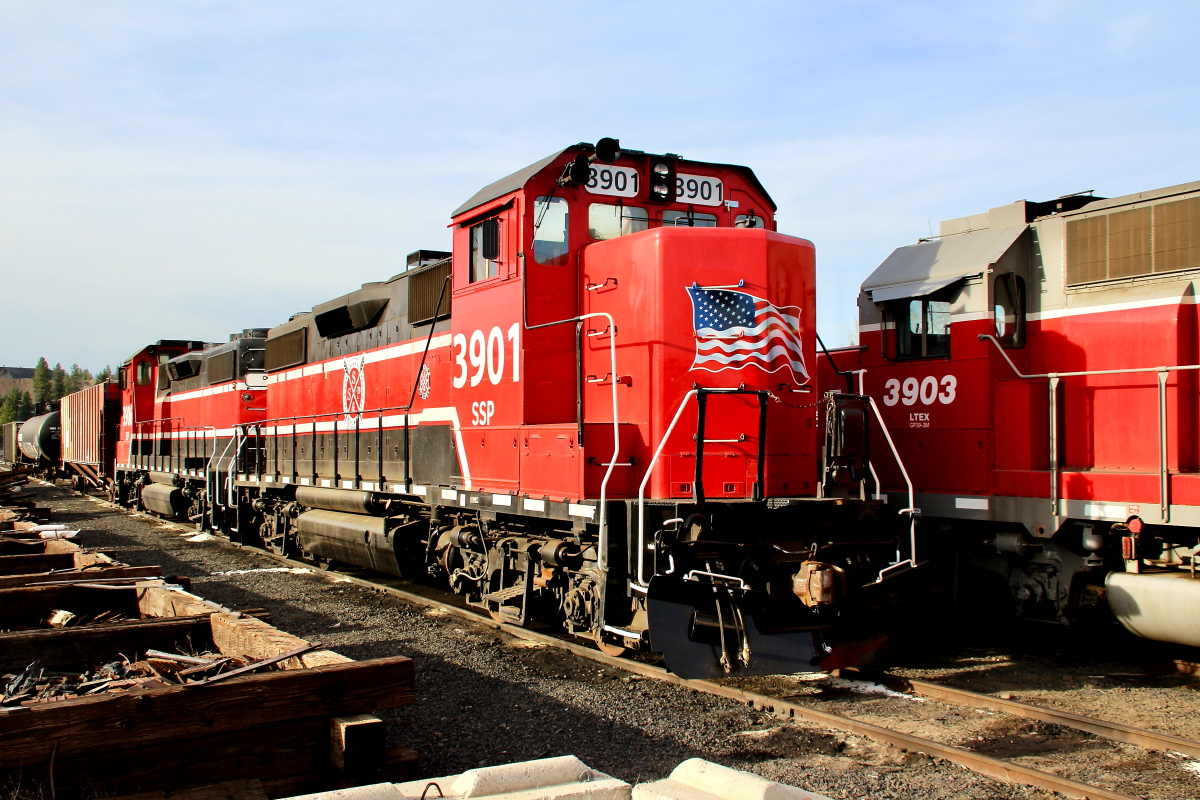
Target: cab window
(608,221)
(485,249)
(750,220)
(689,219)
(143,373)
(1008,310)
(922,328)
(551,240)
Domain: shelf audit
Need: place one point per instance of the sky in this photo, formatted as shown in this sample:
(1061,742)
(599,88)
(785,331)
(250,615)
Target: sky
(190,169)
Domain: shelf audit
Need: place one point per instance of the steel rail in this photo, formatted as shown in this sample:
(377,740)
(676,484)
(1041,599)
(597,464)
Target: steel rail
(1119,732)
(994,768)
(988,766)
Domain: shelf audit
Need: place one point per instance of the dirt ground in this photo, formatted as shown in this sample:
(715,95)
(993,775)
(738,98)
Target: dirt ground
(487,698)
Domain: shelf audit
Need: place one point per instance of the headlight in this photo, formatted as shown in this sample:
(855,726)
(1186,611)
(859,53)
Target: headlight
(661,189)
(661,170)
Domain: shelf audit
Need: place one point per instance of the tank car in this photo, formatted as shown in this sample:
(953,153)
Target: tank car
(184,408)
(599,411)
(40,440)
(1037,365)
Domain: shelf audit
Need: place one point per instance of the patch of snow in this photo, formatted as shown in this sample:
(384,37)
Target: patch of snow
(867,687)
(293,570)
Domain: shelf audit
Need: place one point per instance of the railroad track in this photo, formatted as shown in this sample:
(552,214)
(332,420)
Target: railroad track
(781,708)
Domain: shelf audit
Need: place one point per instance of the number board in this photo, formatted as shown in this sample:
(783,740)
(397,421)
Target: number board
(699,190)
(613,181)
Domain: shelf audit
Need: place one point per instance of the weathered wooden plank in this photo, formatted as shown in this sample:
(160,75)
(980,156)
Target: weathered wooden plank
(255,640)
(36,562)
(357,744)
(294,752)
(27,606)
(123,722)
(12,581)
(156,600)
(84,648)
(227,790)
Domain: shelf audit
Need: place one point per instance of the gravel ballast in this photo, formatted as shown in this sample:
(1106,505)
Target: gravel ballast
(485,698)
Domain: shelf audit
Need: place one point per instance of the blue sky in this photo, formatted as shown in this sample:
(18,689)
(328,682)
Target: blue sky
(187,169)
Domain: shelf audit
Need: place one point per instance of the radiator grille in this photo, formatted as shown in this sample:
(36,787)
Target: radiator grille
(1140,241)
(1177,236)
(288,350)
(1087,250)
(424,288)
(221,368)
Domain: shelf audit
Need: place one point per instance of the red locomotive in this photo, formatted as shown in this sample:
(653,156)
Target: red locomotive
(1036,365)
(185,408)
(598,412)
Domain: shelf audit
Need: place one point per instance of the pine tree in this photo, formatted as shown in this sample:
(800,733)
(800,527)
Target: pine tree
(58,384)
(77,379)
(25,407)
(8,409)
(104,375)
(42,382)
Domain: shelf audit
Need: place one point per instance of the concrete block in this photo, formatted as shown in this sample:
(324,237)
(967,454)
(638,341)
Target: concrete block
(697,779)
(543,779)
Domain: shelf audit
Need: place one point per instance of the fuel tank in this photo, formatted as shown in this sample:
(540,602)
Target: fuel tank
(165,500)
(357,539)
(41,437)
(1163,606)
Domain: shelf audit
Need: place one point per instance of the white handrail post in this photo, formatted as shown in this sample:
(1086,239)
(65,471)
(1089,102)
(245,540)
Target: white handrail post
(642,489)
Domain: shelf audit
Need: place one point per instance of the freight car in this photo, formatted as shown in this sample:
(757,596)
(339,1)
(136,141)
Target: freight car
(598,412)
(1037,366)
(89,419)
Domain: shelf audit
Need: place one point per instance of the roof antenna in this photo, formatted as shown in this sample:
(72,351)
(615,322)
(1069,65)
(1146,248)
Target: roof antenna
(930,221)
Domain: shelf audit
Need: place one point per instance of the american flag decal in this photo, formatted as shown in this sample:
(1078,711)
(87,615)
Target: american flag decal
(736,329)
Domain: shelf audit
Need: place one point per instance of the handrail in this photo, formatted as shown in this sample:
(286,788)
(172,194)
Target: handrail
(1164,488)
(1176,368)
(641,557)
(912,510)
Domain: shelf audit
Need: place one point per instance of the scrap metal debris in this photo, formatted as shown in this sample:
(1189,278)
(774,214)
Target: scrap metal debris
(36,684)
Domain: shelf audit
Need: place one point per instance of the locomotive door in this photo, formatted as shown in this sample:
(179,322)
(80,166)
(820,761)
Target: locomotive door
(486,350)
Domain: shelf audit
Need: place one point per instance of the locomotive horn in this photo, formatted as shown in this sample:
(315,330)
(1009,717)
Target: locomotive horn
(576,171)
(608,150)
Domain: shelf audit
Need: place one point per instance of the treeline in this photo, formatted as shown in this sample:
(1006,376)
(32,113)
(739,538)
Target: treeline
(49,384)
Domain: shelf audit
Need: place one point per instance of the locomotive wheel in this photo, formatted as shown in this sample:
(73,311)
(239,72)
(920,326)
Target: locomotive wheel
(614,650)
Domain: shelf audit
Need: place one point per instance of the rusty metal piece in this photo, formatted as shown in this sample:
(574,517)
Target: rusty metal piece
(260,664)
(432,785)
(543,580)
(819,584)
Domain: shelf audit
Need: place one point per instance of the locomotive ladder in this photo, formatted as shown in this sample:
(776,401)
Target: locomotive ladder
(702,395)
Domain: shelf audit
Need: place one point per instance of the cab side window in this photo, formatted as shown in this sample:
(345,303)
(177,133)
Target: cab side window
(485,249)
(551,231)
(1008,310)
(143,373)
(750,220)
(922,328)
